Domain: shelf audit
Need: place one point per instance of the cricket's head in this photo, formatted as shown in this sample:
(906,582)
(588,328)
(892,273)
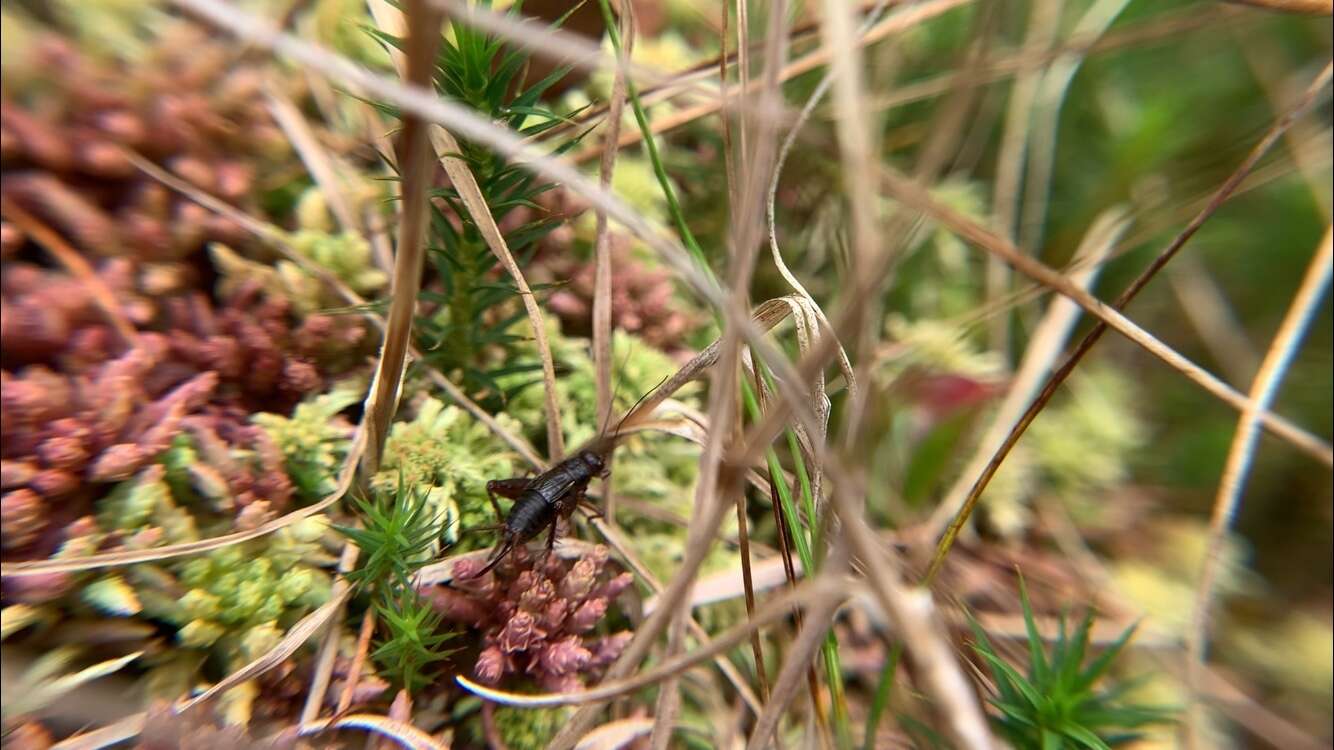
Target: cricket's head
(597,465)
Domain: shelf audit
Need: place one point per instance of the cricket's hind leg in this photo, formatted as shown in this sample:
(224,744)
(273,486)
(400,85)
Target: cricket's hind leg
(507,488)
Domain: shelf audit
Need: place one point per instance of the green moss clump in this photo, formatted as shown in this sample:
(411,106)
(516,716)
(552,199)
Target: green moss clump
(314,439)
(445,449)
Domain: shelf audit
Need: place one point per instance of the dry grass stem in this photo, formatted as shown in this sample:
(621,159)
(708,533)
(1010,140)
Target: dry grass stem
(324,662)
(385,727)
(314,156)
(1045,345)
(416,164)
(602,302)
(1263,391)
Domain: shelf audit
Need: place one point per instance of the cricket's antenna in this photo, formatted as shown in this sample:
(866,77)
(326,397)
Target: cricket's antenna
(615,391)
(637,402)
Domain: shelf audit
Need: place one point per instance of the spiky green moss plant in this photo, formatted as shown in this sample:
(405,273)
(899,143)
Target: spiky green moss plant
(399,533)
(468,336)
(1057,703)
(445,449)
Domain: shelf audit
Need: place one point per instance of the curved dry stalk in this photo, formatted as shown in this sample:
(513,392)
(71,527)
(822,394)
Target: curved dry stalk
(416,164)
(399,731)
(67,256)
(615,735)
(914,196)
(1263,390)
(1110,316)
(810,594)
(1045,345)
(602,332)
(127,557)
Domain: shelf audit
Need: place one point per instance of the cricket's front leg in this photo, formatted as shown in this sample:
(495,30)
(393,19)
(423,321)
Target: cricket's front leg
(510,488)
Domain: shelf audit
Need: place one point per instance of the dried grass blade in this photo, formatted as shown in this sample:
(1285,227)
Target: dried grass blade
(602,333)
(914,196)
(112,734)
(401,732)
(313,155)
(1264,388)
(615,735)
(416,163)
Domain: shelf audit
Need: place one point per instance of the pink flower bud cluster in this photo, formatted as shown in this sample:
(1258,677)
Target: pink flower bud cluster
(537,616)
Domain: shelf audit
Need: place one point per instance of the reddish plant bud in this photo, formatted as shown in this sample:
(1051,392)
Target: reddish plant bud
(588,614)
(490,665)
(54,483)
(22,518)
(519,633)
(566,656)
(62,452)
(580,580)
(609,649)
(118,462)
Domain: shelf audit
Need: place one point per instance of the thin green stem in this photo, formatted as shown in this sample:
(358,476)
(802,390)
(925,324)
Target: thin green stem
(883,689)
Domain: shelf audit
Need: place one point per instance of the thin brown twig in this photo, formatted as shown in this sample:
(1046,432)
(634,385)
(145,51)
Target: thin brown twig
(1263,390)
(324,662)
(1059,376)
(603,271)
(416,163)
(364,633)
(75,263)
